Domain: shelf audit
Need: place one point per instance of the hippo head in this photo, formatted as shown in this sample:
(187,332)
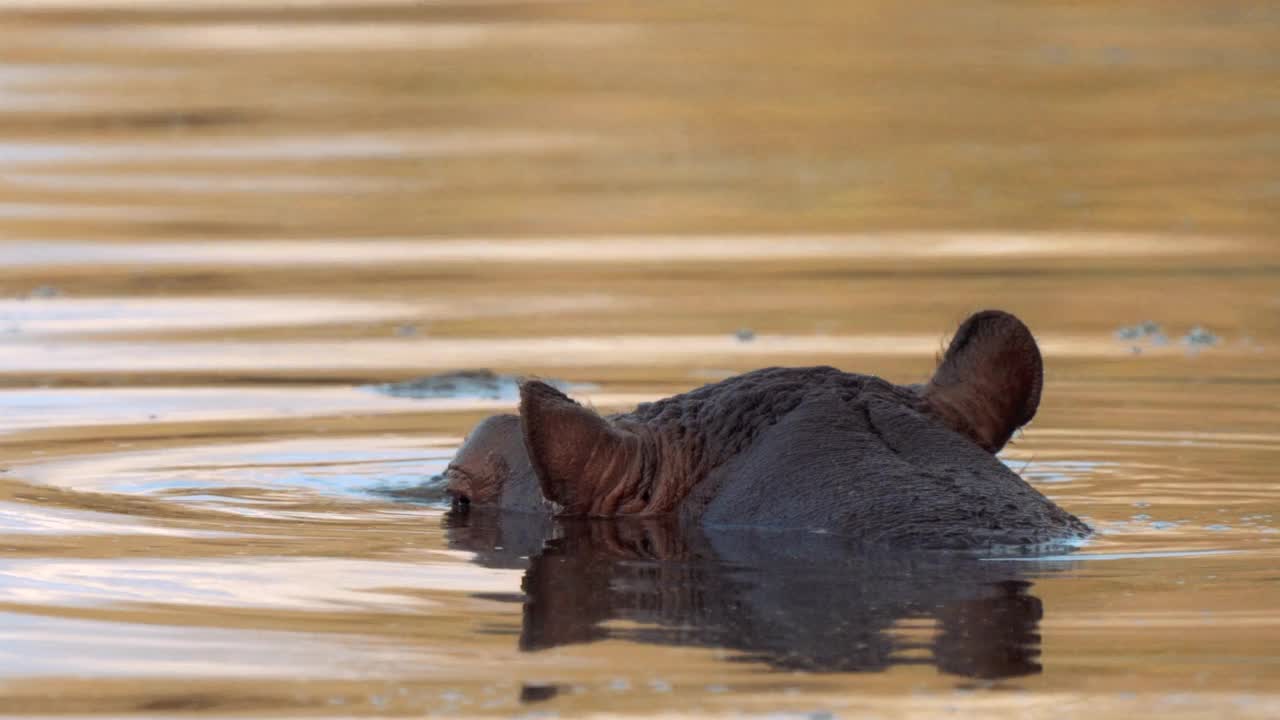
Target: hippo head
(492,468)
(840,434)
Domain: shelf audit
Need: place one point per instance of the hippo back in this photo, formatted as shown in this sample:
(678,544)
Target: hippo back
(878,470)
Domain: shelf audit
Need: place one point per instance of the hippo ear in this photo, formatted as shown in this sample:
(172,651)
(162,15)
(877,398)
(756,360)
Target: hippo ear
(569,445)
(988,383)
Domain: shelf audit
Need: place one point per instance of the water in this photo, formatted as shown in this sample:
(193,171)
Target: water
(226,229)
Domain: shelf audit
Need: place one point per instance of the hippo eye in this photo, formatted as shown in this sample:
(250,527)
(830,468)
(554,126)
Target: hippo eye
(460,486)
(459,501)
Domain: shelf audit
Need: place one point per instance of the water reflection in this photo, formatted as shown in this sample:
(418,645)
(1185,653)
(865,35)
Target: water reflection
(789,601)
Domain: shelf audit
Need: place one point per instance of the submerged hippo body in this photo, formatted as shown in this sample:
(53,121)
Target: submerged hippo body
(792,448)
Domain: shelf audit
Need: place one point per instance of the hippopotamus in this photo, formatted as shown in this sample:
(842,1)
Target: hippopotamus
(810,448)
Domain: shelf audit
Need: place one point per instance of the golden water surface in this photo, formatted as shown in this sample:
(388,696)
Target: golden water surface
(222,224)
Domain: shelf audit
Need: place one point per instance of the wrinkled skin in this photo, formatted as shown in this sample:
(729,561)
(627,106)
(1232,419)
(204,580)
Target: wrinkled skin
(796,448)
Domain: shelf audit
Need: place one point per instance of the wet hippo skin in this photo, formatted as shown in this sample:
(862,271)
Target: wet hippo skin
(792,448)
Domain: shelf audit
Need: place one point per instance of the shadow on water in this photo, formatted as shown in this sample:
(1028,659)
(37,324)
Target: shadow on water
(791,601)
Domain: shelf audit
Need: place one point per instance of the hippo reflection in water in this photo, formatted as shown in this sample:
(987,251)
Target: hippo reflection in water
(789,600)
(792,448)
